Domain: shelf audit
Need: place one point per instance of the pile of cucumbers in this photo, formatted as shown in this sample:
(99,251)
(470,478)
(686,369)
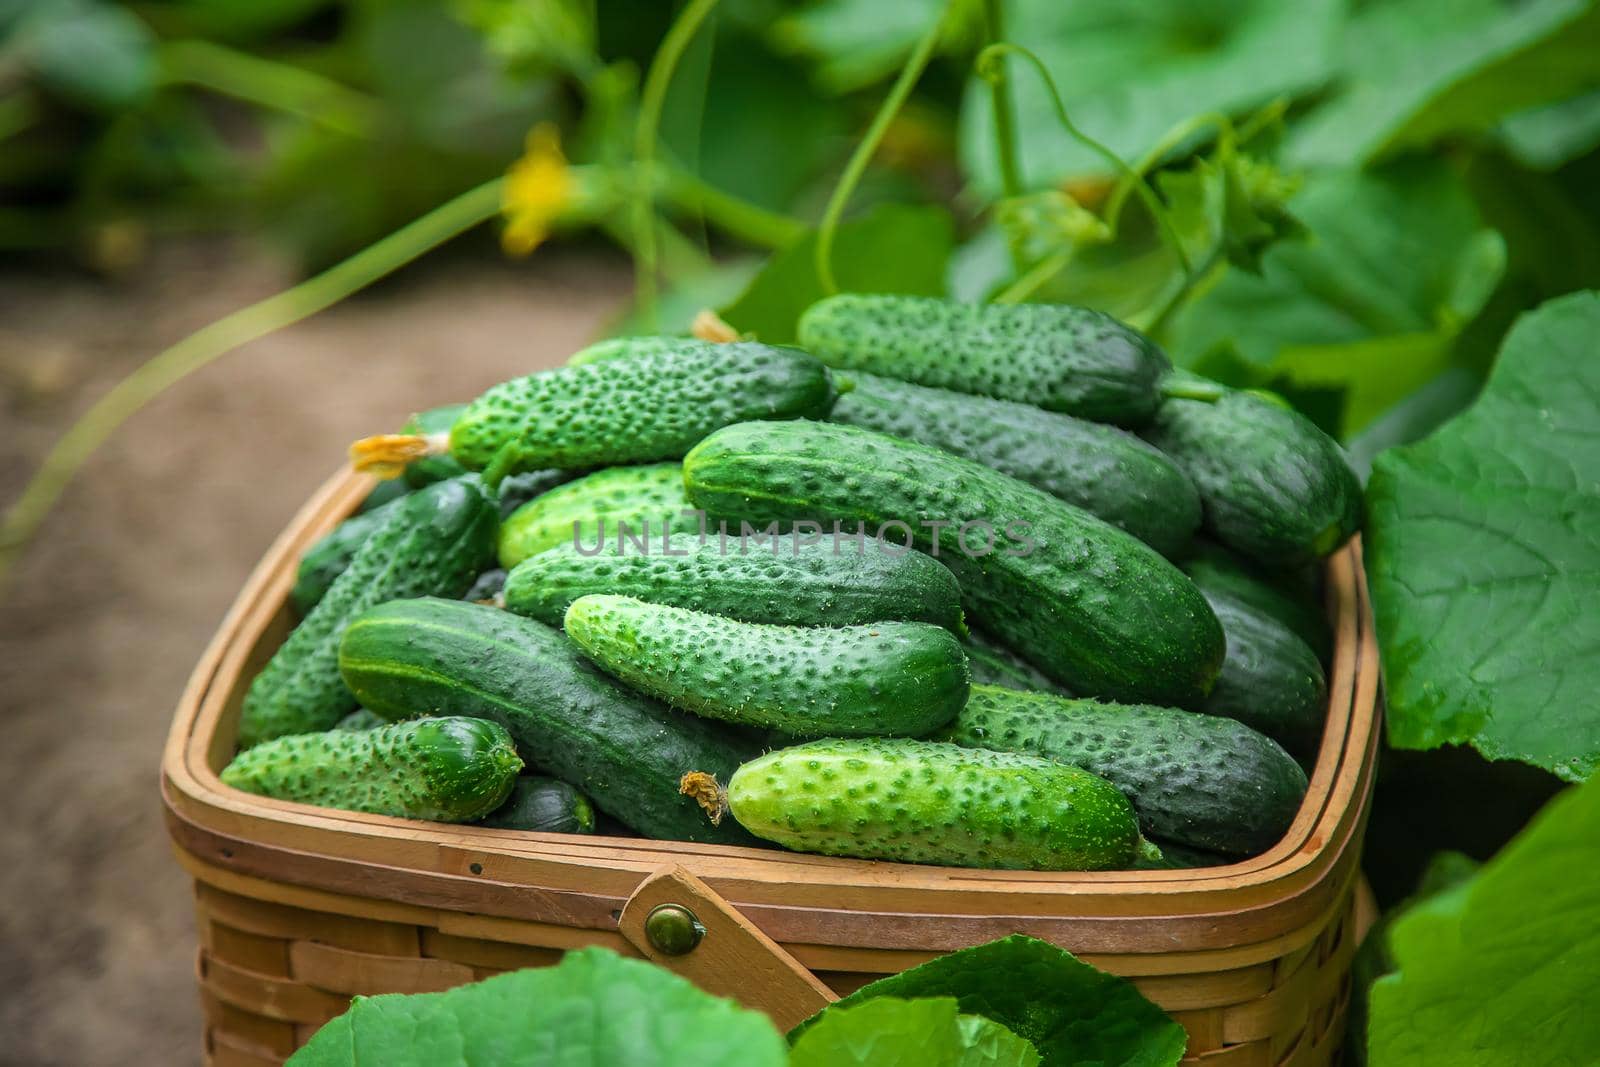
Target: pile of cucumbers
(987,586)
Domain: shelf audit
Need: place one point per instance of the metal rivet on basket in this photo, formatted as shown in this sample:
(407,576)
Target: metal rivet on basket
(673,929)
(476,868)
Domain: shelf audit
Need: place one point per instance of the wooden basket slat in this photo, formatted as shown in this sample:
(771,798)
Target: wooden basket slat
(300,907)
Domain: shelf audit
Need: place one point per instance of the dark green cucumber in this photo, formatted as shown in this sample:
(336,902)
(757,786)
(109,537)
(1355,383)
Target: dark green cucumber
(1089,605)
(360,719)
(517,489)
(1270,680)
(639,410)
(547,805)
(1107,471)
(993,663)
(1273,487)
(332,553)
(430,469)
(591,510)
(1176,857)
(434,542)
(383,493)
(487,586)
(926,802)
(445,769)
(781,580)
(882,679)
(1217,571)
(629,347)
(1195,779)
(1060,358)
(570,720)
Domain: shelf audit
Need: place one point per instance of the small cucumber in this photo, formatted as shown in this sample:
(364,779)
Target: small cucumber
(360,719)
(446,769)
(1089,605)
(629,347)
(1107,471)
(1059,358)
(327,559)
(1219,572)
(780,581)
(880,679)
(926,802)
(1270,680)
(649,499)
(430,469)
(517,489)
(434,542)
(1195,779)
(1273,487)
(545,805)
(487,586)
(644,409)
(624,750)
(993,663)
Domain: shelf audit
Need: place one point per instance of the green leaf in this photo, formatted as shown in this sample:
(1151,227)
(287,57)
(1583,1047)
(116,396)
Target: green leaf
(892,248)
(99,55)
(854,43)
(1548,136)
(888,1032)
(1129,73)
(687,296)
(1484,558)
(1503,969)
(1397,264)
(593,1008)
(1416,70)
(1071,1012)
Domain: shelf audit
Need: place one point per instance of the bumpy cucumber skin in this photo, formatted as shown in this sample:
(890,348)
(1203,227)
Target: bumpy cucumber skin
(782,582)
(1060,358)
(1273,487)
(1092,607)
(360,719)
(630,347)
(445,770)
(882,679)
(1107,471)
(327,559)
(545,805)
(994,664)
(435,542)
(1195,779)
(927,802)
(1220,573)
(1271,680)
(432,469)
(570,720)
(639,410)
(651,493)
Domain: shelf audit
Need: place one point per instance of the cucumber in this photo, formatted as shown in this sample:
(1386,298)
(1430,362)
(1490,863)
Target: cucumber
(629,347)
(1271,680)
(994,664)
(1176,857)
(360,719)
(430,469)
(1060,358)
(624,750)
(643,409)
(1087,604)
(543,804)
(780,581)
(434,543)
(327,559)
(1217,571)
(926,802)
(383,493)
(517,489)
(487,586)
(1107,471)
(649,499)
(879,679)
(1194,779)
(446,770)
(1273,487)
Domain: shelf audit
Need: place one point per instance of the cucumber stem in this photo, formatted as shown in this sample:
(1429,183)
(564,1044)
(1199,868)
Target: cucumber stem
(1005,136)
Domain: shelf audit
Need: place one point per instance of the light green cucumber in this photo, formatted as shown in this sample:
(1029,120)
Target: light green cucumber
(629,347)
(632,506)
(880,679)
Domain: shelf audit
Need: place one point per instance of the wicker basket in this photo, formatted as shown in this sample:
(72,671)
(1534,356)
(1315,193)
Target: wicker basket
(301,907)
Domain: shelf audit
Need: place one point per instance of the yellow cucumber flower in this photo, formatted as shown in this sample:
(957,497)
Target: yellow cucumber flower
(538,188)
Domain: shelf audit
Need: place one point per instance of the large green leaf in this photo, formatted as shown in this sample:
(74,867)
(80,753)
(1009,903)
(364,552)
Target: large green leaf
(853,43)
(1397,263)
(1072,1013)
(1548,136)
(594,1008)
(891,248)
(889,1032)
(1128,73)
(1414,70)
(1484,544)
(1504,969)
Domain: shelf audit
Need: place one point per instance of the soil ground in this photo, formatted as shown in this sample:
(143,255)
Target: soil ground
(115,600)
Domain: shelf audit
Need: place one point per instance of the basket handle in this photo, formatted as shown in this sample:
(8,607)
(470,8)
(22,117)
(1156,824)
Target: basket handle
(679,922)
